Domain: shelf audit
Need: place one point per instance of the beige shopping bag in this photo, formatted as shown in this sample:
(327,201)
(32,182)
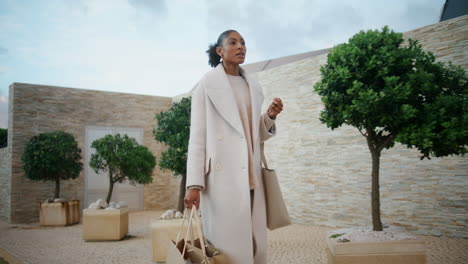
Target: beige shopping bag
(201,251)
(177,252)
(174,252)
(277,213)
(214,254)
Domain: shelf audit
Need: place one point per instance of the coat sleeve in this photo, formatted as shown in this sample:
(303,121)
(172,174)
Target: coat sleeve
(267,128)
(197,141)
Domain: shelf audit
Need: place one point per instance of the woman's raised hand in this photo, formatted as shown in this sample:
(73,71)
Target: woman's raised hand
(192,197)
(275,108)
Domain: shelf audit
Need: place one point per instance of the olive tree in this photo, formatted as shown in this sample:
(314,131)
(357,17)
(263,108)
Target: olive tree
(123,159)
(173,129)
(52,156)
(394,91)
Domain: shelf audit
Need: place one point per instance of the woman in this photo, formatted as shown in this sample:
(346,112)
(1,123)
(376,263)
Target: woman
(223,163)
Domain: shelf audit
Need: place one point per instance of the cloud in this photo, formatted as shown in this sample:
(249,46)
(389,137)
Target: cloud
(113,48)
(158,47)
(157,7)
(154,5)
(274,28)
(80,6)
(3,99)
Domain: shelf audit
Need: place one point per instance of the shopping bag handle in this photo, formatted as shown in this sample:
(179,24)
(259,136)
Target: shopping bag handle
(189,228)
(202,231)
(182,226)
(201,236)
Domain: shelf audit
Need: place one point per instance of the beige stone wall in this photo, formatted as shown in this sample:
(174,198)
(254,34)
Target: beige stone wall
(38,109)
(4,184)
(325,174)
(447,40)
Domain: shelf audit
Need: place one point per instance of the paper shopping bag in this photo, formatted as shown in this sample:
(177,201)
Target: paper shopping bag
(215,256)
(174,252)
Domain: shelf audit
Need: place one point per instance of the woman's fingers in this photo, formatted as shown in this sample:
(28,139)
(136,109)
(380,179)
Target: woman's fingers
(276,106)
(192,198)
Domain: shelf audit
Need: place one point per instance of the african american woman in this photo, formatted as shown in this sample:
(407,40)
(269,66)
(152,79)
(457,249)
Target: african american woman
(223,164)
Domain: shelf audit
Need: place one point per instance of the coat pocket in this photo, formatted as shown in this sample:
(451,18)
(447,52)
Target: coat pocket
(207,166)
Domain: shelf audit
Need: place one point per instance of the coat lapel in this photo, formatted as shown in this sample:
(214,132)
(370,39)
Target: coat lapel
(221,94)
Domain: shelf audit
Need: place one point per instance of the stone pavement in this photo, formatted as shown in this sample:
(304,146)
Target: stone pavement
(289,245)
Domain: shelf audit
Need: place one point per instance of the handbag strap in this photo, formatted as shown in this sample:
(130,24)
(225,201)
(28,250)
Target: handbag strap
(262,152)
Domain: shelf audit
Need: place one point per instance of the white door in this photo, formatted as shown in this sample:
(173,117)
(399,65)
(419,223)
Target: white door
(97,185)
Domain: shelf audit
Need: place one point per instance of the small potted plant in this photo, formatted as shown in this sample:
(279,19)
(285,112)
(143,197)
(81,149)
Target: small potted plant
(54,156)
(123,159)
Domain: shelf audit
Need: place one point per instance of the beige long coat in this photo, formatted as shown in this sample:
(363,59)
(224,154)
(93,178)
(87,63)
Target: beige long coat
(218,161)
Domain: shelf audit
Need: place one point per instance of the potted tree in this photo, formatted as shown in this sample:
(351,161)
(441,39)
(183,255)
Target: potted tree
(123,159)
(54,156)
(174,130)
(392,92)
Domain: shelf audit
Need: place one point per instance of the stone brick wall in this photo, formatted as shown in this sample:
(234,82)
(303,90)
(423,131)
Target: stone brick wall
(325,174)
(4,184)
(38,109)
(448,40)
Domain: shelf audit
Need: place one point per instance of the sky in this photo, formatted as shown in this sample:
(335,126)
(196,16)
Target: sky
(157,47)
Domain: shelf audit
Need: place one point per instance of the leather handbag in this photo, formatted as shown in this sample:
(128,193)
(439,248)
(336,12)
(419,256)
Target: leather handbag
(277,213)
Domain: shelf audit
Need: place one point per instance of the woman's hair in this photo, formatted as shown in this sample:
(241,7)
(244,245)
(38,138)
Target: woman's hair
(213,58)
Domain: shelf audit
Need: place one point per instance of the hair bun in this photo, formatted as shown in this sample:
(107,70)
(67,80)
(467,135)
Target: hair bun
(213,57)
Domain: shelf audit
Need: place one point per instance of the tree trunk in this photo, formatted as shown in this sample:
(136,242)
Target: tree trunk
(376,222)
(183,181)
(111,187)
(57,188)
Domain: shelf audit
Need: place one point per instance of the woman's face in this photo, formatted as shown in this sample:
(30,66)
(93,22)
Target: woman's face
(233,50)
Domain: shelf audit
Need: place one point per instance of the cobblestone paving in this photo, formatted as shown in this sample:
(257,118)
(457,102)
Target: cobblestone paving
(290,245)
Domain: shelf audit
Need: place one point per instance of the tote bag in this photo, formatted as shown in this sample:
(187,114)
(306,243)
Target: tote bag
(277,213)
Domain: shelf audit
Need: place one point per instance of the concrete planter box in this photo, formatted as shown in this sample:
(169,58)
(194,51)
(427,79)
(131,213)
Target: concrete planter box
(388,252)
(163,231)
(59,214)
(100,225)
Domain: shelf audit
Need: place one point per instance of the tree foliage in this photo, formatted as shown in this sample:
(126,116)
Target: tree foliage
(124,159)
(3,137)
(52,156)
(173,130)
(394,91)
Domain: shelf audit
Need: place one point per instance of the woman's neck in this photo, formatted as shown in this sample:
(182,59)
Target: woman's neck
(231,69)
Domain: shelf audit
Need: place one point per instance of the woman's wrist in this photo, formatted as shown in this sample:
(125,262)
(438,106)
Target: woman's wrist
(195,187)
(271,117)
